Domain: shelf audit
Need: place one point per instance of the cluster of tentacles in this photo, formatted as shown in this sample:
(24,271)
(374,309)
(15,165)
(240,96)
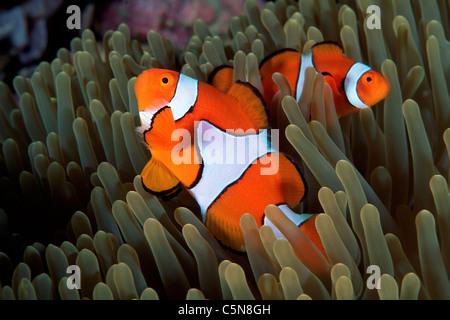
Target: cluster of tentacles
(71,194)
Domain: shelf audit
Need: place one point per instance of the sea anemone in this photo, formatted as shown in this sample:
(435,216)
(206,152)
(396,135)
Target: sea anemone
(71,193)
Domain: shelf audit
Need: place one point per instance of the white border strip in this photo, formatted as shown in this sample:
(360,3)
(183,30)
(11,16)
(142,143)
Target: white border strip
(351,82)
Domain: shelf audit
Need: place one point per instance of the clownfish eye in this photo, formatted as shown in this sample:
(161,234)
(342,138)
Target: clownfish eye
(369,79)
(166,80)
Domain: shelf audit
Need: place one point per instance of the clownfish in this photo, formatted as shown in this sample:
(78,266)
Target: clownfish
(171,102)
(354,84)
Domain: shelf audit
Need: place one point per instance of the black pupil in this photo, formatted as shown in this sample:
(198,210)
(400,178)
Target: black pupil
(165,80)
(369,79)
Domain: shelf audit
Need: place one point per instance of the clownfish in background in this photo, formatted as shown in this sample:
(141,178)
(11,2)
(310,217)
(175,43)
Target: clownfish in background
(224,190)
(354,85)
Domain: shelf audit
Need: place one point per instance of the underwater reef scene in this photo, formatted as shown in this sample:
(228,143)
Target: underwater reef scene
(378,180)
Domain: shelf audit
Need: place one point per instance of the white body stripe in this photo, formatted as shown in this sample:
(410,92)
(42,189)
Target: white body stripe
(217,176)
(298,219)
(185,96)
(305,63)
(276,231)
(351,82)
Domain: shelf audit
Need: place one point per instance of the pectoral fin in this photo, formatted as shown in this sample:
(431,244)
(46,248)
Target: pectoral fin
(159,180)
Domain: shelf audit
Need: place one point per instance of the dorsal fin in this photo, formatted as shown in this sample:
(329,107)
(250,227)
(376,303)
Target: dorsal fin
(251,101)
(276,58)
(222,78)
(285,61)
(327,49)
(327,57)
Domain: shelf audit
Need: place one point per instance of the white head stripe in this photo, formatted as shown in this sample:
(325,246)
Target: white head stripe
(351,82)
(306,62)
(185,96)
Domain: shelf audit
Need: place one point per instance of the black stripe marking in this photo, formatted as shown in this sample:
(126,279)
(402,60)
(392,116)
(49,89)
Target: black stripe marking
(321,43)
(153,119)
(195,102)
(230,185)
(343,87)
(328,42)
(343,84)
(198,177)
(305,186)
(165,194)
(200,172)
(228,248)
(275,53)
(176,88)
(191,109)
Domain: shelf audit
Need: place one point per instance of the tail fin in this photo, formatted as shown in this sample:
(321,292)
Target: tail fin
(309,228)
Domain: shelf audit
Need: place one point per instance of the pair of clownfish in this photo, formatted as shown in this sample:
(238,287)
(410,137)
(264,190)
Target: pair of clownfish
(169,101)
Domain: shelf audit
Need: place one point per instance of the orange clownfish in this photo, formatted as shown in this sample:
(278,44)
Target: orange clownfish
(354,85)
(226,180)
